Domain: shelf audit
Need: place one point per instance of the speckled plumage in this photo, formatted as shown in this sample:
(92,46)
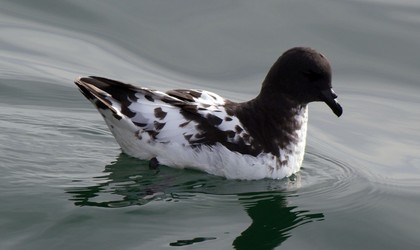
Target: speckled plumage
(261,138)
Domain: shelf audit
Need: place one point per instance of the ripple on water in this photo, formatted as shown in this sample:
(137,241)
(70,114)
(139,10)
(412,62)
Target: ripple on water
(335,185)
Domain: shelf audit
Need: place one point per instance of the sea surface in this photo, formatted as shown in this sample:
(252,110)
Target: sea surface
(65,184)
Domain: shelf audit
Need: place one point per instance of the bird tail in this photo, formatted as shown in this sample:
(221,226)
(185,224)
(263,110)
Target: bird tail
(107,94)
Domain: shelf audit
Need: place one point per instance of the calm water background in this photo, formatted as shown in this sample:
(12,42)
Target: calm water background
(65,184)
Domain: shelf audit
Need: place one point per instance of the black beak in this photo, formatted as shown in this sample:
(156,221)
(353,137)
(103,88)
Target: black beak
(328,96)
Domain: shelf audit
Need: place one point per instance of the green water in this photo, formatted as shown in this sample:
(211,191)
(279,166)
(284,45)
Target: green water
(66,185)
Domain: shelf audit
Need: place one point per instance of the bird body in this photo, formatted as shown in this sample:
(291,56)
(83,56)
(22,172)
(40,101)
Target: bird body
(261,138)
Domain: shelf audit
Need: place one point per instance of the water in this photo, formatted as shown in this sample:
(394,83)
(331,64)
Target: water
(66,185)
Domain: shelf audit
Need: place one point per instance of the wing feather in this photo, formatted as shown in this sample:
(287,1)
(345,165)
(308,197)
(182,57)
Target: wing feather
(186,117)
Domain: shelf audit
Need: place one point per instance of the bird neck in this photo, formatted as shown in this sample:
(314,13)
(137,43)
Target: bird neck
(282,118)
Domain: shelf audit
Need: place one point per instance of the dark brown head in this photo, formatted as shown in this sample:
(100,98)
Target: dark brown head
(304,75)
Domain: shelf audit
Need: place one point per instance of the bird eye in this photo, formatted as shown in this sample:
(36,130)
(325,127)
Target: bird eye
(312,75)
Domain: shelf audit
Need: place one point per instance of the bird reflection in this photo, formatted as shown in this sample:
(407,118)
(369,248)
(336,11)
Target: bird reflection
(128,182)
(125,182)
(272,220)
